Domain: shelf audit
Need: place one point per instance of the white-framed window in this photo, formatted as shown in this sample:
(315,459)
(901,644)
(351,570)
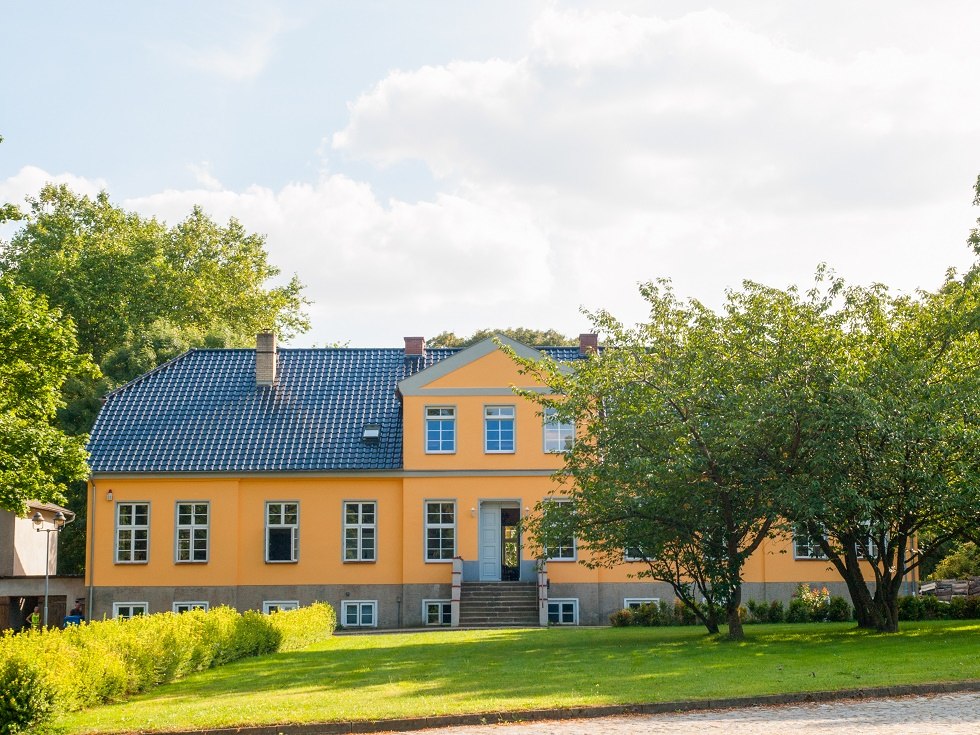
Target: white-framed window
(271,606)
(359,613)
(633,553)
(281,531)
(631,603)
(192,533)
(805,546)
(867,546)
(132,533)
(126,610)
(562,549)
(440,530)
(440,429)
(182,607)
(498,425)
(360,531)
(437,612)
(563,612)
(559,436)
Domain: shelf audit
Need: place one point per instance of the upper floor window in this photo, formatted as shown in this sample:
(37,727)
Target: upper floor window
(132,533)
(192,532)
(499,428)
(563,547)
(558,435)
(440,530)
(806,546)
(359,531)
(281,531)
(440,429)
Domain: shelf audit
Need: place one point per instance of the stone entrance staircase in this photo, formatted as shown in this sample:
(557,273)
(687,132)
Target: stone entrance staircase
(497,604)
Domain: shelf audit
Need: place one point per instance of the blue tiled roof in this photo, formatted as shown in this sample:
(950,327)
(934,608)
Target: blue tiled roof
(202,412)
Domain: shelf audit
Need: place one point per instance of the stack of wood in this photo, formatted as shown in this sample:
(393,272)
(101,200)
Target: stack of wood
(947,589)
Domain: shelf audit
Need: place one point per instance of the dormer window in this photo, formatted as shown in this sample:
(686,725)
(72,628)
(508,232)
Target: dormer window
(371,433)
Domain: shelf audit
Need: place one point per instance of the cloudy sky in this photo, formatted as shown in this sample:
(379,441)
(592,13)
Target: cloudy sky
(432,166)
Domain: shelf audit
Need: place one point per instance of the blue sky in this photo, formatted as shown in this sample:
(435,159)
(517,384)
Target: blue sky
(437,166)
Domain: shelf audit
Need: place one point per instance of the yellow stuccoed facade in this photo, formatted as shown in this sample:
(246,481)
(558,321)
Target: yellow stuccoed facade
(401,582)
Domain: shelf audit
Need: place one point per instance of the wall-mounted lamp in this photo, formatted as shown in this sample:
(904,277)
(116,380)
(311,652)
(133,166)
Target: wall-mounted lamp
(108,495)
(473,512)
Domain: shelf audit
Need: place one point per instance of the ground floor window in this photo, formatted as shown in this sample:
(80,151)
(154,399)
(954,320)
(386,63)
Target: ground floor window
(563,612)
(182,607)
(437,612)
(806,546)
(359,613)
(126,610)
(631,603)
(271,606)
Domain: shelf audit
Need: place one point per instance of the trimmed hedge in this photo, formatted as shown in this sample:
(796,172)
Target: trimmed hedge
(42,671)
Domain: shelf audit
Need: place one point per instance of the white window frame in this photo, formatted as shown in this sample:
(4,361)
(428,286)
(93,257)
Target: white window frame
(630,603)
(188,605)
(439,526)
(294,537)
(574,545)
(815,554)
(445,611)
(133,529)
(132,613)
(192,528)
(357,532)
(629,557)
(562,602)
(498,413)
(440,415)
(565,431)
(271,606)
(359,606)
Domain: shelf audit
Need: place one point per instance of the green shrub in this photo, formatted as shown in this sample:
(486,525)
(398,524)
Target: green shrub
(777,612)
(838,610)
(65,670)
(911,608)
(27,696)
(798,612)
(621,618)
(647,614)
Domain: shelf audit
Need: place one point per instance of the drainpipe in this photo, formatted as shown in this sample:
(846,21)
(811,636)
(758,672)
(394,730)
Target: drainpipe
(89,541)
(456,590)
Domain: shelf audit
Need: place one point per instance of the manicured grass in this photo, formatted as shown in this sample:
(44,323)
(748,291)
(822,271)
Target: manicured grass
(440,672)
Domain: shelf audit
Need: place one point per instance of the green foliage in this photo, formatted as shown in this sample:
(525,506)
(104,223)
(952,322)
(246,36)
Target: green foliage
(118,275)
(688,433)
(38,354)
(963,562)
(798,611)
(838,610)
(139,293)
(81,666)
(530,337)
(27,698)
(928,607)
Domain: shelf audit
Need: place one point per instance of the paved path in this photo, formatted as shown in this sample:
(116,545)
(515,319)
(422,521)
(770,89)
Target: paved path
(948,714)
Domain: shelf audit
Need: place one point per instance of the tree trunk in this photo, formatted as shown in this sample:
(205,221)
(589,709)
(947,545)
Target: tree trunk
(735,631)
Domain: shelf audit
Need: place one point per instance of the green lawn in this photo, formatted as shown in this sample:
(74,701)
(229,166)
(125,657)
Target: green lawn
(440,672)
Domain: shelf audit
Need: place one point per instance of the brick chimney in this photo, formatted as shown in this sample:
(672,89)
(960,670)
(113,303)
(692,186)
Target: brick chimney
(265,359)
(414,347)
(587,343)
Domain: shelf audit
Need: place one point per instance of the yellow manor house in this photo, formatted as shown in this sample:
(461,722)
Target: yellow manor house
(387,482)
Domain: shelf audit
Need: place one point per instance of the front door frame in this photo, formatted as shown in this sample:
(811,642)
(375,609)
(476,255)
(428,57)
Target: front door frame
(490,538)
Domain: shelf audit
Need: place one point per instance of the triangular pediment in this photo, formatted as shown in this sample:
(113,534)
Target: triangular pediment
(483,368)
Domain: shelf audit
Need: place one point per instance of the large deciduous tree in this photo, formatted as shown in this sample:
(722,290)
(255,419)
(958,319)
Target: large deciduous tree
(526,335)
(39,352)
(688,437)
(140,293)
(893,444)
